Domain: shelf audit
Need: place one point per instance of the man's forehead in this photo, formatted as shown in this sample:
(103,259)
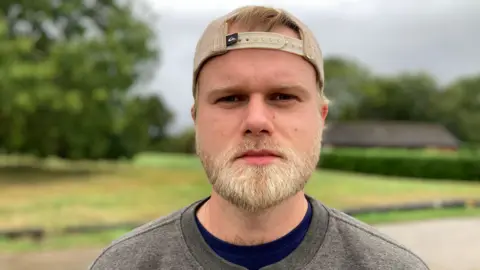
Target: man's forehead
(237,76)
(223,75)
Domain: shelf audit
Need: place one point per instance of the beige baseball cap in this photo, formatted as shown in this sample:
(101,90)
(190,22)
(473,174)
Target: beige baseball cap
(216,40)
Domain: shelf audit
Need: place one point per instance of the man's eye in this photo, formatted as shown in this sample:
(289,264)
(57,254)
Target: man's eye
(283,97)
(228,99)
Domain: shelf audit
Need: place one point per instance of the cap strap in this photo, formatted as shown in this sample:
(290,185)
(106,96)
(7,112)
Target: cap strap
(264,40)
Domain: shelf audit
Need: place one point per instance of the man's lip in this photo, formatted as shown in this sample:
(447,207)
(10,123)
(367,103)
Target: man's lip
(259,153)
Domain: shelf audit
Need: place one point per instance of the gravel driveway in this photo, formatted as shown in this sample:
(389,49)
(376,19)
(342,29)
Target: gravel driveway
(449,244)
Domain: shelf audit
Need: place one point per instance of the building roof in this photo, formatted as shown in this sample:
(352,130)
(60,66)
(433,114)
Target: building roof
(388,134)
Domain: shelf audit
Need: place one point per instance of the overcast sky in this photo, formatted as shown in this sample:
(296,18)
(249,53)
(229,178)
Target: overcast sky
(441,37)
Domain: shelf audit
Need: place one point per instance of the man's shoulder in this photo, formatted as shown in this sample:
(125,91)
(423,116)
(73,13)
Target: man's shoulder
(142,247)
(366,245)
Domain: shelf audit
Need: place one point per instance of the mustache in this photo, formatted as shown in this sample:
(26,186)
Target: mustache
(257,145)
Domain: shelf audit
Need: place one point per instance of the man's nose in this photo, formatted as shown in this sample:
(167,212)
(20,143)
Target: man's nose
(258,117)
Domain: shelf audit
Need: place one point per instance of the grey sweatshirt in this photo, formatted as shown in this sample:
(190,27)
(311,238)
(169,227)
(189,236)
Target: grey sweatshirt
(333,241)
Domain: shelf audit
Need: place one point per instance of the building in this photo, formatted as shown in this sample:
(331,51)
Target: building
(389,134)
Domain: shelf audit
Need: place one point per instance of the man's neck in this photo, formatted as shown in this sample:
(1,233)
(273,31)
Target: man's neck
(230,224)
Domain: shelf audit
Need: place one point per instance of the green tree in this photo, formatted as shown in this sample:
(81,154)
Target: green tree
(348,82)
(184,143)
(67,73)
(358,94)
(145,123)
(460,105)
(404,97)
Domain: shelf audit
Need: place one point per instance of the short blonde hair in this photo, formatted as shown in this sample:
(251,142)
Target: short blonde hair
(260,18)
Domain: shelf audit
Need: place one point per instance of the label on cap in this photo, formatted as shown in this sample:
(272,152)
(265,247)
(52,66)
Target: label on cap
(232,39)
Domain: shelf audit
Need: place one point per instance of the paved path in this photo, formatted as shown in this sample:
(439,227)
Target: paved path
(449,244)
(444,244)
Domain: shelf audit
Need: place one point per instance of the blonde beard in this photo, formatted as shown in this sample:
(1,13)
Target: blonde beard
(255,188)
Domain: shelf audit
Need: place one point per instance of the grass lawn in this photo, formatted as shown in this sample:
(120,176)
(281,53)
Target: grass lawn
(159,184)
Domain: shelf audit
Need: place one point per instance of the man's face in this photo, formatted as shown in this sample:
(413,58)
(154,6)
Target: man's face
(254,100)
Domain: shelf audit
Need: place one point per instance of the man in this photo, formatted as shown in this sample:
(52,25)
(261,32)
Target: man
(259,113)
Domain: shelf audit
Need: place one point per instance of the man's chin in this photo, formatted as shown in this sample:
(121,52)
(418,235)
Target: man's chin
(257,205)
(254,202)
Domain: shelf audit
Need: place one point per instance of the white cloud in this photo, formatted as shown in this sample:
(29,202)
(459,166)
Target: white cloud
(211,5)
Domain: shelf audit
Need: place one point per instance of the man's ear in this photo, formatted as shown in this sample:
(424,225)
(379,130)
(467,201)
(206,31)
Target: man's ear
(193,112)
(324,111)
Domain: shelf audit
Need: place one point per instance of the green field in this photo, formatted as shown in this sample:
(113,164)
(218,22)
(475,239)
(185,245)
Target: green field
(56,194)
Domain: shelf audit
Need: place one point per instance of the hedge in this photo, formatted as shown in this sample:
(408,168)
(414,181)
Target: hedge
(414,164)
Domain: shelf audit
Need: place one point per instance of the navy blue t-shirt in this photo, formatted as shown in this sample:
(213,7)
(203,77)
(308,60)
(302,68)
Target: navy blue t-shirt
(256,257)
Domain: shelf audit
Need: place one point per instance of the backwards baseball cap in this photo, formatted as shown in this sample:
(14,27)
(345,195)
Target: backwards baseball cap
(216,40)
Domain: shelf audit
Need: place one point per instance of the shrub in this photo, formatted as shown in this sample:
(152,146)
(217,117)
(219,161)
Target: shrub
(182,143)
(408,164)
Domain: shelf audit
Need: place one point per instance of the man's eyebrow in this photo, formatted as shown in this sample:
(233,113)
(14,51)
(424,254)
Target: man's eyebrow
(292,86)
(235,88)
(224,90)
